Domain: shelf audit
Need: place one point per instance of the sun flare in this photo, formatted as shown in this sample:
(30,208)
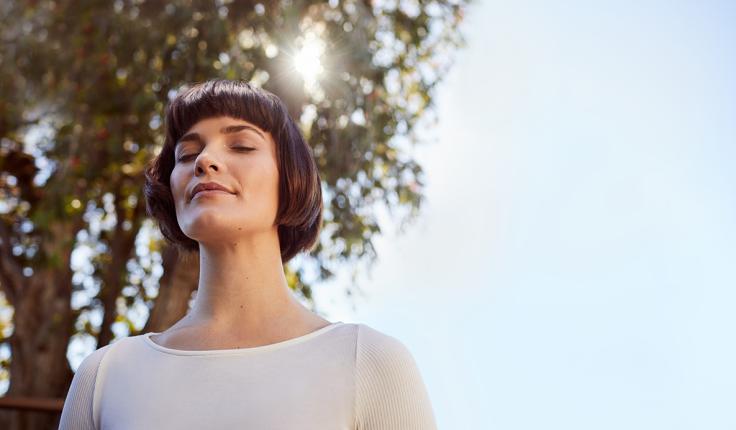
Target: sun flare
(308,59)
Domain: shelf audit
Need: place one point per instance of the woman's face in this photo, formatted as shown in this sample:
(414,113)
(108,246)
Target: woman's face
(237,155)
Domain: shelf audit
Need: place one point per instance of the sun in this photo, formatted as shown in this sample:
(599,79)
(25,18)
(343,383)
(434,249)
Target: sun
(308,59)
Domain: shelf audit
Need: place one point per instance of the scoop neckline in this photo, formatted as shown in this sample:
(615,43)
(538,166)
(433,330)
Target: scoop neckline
(247,350)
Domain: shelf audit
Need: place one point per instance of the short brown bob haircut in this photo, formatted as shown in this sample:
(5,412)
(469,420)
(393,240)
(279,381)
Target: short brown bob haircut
(299,215)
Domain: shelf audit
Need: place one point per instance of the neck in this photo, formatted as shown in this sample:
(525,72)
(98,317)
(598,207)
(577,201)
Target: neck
(242,284)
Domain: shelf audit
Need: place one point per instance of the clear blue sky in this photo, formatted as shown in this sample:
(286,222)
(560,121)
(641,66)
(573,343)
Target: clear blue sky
(575,267)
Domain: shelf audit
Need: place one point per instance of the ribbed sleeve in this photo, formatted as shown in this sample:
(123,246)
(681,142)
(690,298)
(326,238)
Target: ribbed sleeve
(390,392)
(78,406)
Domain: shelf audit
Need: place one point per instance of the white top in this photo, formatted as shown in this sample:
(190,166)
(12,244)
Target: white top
(343,376)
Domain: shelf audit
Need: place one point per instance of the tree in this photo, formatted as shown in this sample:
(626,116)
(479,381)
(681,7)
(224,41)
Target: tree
(83,86)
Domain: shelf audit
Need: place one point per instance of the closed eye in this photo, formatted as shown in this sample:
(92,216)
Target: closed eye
(237,148)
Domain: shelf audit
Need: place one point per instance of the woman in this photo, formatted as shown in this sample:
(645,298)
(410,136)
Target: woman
(236,184)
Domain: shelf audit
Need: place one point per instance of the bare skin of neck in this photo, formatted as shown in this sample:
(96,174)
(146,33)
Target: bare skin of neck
(243,300)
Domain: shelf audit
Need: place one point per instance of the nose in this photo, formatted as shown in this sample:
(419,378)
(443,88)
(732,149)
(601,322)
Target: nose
(205,162)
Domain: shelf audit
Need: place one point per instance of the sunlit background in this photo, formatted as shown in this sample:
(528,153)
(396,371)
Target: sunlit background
(574,266)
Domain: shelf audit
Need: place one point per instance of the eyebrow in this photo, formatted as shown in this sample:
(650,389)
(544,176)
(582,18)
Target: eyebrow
(230,129)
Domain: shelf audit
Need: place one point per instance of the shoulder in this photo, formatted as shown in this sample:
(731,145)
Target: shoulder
(383,360)
(78,410)
(390,390)
(86,373)
(91,363)
(376,348)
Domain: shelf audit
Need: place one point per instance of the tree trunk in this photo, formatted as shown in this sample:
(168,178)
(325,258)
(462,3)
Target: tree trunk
(122,246)
(180,279)
(43,325)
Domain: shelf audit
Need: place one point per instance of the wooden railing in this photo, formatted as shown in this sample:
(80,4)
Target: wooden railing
(32,404)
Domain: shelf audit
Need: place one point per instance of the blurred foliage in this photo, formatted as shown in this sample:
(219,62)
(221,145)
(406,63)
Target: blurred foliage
(83,86)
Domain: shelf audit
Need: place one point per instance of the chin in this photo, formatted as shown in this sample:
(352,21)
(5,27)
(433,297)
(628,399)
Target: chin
(211,232)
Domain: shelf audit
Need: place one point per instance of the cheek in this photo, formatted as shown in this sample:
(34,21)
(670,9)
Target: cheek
(176,183)
(272,183)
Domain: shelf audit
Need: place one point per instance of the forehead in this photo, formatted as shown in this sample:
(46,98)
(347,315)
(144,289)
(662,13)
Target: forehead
(211,125)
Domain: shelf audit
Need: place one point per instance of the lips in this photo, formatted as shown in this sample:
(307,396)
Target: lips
(204,186)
